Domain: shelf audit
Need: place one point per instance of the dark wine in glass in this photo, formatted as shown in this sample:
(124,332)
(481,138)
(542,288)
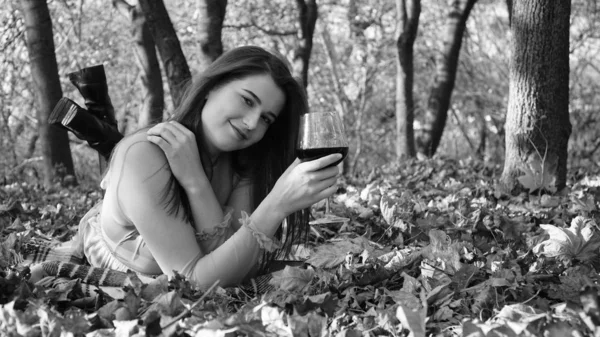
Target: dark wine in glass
(321,134)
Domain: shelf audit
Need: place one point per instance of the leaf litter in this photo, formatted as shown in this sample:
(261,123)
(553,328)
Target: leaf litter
(426,248)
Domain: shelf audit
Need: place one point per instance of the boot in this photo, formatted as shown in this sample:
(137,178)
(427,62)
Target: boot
(100,135)
(91,83)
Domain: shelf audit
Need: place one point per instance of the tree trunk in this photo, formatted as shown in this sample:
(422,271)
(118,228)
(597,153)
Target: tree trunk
(537,122)
(509,6)
(441,92)
(169,48)
(144,50)
(308,19)
(482,128)
(212,14)
(54,141)
(408,22)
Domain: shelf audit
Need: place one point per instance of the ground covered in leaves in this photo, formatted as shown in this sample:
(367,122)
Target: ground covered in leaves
(426,248)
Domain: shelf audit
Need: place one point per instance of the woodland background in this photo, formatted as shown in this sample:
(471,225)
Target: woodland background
(433,242)
(358,71)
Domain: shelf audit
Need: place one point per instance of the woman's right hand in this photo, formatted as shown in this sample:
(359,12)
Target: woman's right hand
(305,183)
(180,147)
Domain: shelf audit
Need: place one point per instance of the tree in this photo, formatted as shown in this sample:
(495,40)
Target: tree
(210,22)
(174,62)
(144,50)
(54,141)
(447,64)
(307,18)
(537,123)
(408,22)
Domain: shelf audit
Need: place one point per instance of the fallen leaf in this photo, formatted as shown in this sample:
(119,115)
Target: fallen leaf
(292,279)
(579,241)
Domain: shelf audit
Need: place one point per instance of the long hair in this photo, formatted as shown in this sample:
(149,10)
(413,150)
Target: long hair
(264,161)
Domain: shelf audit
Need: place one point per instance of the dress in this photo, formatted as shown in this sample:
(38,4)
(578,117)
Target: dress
(111,239)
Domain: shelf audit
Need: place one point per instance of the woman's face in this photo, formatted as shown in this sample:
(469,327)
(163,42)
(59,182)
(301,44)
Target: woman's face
(237,114)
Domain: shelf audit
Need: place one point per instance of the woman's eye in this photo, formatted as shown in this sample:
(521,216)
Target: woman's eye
(267,120)
(248,101)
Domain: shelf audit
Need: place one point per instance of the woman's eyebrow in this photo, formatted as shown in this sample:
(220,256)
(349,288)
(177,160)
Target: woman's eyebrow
(253,95)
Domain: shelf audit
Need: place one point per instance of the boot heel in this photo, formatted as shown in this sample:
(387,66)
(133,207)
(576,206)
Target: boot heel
(65,114)
(59,111)
(76,119)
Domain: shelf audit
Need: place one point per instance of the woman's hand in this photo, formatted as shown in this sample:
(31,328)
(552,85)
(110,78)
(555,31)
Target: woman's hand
(305,183)
(180,147)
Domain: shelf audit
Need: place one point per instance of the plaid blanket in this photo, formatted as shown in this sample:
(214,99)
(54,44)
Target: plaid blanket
(66,261)
(55,264)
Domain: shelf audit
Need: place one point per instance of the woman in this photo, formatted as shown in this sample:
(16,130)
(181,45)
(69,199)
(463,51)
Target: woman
(204,193)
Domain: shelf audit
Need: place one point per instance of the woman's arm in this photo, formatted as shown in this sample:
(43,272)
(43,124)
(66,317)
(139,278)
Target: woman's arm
(180,147)
(170,239)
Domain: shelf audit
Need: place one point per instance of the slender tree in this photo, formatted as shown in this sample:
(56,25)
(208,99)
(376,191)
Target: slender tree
(408,12)
(54,141)
(509,6)
(447,64)
(210,26)
(537,123)
(144,50)
(173,60)
(307,19)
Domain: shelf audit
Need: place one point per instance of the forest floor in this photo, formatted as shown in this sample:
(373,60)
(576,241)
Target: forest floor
(426,248)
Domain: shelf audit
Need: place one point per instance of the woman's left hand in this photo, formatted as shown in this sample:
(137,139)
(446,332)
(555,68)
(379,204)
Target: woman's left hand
(180,147)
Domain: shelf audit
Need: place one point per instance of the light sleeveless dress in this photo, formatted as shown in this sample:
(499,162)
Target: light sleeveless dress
(129,252)
(111,240)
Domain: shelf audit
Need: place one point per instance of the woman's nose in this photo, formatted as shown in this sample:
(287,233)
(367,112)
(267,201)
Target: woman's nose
(251,120)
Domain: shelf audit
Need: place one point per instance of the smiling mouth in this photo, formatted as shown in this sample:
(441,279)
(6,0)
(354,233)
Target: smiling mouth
(242,135)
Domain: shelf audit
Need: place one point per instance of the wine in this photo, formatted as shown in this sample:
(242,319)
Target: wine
(316,153)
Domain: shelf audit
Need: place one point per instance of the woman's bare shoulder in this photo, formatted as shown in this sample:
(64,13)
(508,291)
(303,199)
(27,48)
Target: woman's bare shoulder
(136,153)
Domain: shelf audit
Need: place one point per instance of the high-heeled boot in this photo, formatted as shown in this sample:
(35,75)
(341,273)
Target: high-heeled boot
(100,135)
(97,125)
(91,83)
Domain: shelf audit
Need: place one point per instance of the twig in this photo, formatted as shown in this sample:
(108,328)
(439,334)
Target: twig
(189,310)
(462,129)
(532,297)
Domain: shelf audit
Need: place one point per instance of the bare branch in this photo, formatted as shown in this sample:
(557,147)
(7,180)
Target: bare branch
(267,31)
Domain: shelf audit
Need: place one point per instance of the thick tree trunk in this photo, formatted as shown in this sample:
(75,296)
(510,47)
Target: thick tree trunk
(54,141)
(447,64)
(408,12)
(537,122)
(144,49)
(210,25)
(169,48)
(308,19)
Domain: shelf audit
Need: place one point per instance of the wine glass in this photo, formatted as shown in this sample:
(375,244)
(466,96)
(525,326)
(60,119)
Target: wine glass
(321,134)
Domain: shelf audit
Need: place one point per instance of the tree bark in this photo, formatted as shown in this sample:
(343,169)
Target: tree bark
(144,50)
(537,123)
(408,12)
(54,141)
(210,26)
(169,48)
(307,19)
(447,64)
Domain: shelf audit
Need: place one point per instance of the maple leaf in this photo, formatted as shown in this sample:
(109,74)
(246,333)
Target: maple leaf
(292,279)
(333,254)
(579,241)
(413,318)
(539,175)
(397,211)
